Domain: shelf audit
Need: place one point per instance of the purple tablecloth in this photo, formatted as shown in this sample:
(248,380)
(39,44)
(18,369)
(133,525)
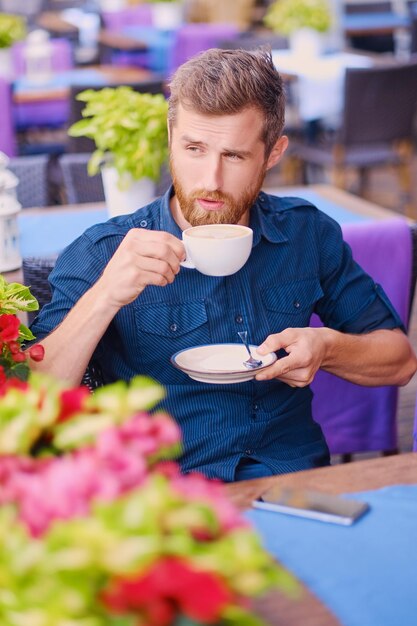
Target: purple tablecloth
(356,418)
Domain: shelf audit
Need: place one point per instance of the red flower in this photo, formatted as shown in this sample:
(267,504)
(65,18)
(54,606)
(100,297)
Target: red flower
(19,357)
(3,376)
(10,383)
(37,352)
(72,401)
(173,587)
(14,346)
(9,327)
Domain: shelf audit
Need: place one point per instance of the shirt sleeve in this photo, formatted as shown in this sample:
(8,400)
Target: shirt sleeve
(353,302)
(76,270)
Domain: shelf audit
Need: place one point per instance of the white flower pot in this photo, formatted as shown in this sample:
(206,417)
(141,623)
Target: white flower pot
(120,201)
(167,15)
(306,42)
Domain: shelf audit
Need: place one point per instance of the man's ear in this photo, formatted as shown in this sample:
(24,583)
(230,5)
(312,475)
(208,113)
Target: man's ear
(277,152)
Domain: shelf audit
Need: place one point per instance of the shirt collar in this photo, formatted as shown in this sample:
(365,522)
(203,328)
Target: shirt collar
(266,221)
(167,222)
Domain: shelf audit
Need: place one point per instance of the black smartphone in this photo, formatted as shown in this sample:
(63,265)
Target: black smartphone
(311,504)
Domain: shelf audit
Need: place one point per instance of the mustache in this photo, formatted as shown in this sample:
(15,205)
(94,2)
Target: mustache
(216,196)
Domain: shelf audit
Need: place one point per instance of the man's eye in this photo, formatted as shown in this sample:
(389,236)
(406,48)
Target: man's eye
(233,156)
(193,149)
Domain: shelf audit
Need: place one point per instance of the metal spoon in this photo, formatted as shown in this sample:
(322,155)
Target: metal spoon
(251,363)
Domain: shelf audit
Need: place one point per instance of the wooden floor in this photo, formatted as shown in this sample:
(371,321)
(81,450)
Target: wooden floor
(383,189)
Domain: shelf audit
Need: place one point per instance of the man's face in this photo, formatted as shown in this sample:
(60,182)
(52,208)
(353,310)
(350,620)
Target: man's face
(217,165)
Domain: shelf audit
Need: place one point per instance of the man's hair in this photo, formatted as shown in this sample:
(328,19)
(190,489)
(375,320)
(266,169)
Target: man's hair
(224,82)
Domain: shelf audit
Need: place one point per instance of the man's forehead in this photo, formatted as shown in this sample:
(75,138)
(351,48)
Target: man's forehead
(192,122)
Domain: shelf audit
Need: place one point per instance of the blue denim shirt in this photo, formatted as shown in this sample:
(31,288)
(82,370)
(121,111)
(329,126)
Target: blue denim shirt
(299,265)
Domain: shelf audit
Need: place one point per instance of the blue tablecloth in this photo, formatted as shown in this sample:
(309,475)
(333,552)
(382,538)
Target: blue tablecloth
(48,233)
(367,573)
(374,21)
(66,78)
(337,212)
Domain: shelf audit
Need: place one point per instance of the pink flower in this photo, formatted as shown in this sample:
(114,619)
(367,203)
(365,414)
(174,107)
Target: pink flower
(195,487)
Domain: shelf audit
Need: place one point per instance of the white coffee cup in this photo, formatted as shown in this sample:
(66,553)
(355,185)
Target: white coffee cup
(217,249)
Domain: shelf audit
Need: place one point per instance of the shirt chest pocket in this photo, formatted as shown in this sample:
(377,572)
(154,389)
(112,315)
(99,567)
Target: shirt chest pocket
(163,329)
(291,304)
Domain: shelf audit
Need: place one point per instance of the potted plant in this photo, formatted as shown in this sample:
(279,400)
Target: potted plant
(130,132)
(12,29)
(301,21)
(14,362)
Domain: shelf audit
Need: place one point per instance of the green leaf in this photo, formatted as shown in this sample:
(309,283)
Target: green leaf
(15,297)
(129,130)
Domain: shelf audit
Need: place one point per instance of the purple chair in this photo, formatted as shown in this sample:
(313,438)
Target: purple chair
(355,418)
(139,15)
(50,113)
(193,38)
(7,136)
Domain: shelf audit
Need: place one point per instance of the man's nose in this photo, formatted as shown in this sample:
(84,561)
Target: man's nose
(213,175)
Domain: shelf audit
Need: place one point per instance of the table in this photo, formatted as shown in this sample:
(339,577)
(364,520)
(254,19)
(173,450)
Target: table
(383,23)
(48,230)
(359,476)
(58,88)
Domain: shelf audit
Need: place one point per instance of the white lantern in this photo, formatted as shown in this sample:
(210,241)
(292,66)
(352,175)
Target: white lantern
(10,258)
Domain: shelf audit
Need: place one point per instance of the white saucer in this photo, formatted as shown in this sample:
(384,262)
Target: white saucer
(220,364)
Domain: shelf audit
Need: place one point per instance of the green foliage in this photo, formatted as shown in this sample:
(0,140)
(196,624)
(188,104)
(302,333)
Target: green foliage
(287,16)
(12,29)
(128,128)
(15,297)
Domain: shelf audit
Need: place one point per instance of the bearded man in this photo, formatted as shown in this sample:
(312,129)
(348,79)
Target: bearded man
(122,299)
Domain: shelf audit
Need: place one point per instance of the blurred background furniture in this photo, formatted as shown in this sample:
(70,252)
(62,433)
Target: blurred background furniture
(29,9)
(47,113)
(370,25)
(370,135)
(32,172)
(78,185)
(193,38)
(7,135)
(36,271)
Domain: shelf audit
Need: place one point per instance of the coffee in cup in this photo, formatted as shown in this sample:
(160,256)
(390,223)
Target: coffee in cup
(217,249)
